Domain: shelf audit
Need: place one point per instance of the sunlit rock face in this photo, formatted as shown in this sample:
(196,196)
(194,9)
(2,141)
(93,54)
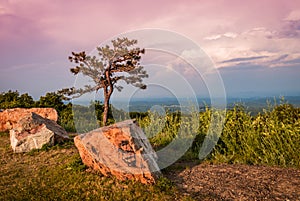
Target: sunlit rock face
(122,150)
(10,117)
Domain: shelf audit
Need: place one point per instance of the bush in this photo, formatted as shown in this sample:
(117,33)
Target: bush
(271,138)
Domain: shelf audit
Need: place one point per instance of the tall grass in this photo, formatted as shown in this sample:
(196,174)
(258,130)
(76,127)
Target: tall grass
(270,138)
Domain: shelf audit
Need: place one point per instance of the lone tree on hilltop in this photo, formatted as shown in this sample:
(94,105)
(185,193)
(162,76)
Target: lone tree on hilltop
(119,62)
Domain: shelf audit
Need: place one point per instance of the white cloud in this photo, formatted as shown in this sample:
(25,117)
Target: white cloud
(230,35)
(259,32)
(213,37)
(293,16)
(218,36)
(261,45)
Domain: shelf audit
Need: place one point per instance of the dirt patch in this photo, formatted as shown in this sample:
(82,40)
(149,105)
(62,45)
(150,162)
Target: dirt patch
(237,182)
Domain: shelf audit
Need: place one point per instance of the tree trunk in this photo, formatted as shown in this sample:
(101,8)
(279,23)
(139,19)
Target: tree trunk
(106,109)
(107,95)
(108,90)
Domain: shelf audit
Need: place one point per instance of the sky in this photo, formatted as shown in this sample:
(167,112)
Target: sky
(254,45)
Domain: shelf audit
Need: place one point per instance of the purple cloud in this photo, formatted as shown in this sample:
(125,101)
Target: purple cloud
(243,59)
(291,29)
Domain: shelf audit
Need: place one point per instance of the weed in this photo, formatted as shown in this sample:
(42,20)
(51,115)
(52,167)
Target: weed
(76,164)
(164,184)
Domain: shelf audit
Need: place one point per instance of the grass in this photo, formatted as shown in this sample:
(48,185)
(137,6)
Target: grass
(269,138)
(57,173)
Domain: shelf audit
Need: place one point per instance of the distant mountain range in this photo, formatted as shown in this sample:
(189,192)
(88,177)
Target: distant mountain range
(253,104)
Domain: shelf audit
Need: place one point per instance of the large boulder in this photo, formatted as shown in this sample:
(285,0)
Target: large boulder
(122,150)
(33,131)
(10,117)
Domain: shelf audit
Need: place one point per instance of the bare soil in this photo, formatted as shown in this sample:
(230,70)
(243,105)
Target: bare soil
(236,182)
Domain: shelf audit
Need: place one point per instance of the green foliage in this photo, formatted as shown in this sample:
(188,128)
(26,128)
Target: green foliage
(26,101)
(34,152)
(86,118)
(271,138)
(138,115)
(13,99)
(66,118)
(51,100)
(76,164)
(160,130)
(164,184)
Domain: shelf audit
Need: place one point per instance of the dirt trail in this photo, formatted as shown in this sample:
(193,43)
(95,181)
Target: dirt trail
(238,182)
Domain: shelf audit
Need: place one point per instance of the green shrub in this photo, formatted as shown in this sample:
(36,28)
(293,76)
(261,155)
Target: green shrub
(271,138)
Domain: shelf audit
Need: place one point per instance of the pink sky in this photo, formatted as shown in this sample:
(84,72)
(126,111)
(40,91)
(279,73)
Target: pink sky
(36,37)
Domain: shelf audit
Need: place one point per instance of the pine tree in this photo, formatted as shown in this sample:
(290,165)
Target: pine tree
(119,62)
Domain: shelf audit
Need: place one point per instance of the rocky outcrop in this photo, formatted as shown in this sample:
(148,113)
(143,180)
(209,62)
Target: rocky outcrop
(33,131)
(10,117)
(121,150)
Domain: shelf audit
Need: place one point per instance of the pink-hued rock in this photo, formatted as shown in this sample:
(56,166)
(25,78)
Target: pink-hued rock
(122,150)
(33,131)
(10,117)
